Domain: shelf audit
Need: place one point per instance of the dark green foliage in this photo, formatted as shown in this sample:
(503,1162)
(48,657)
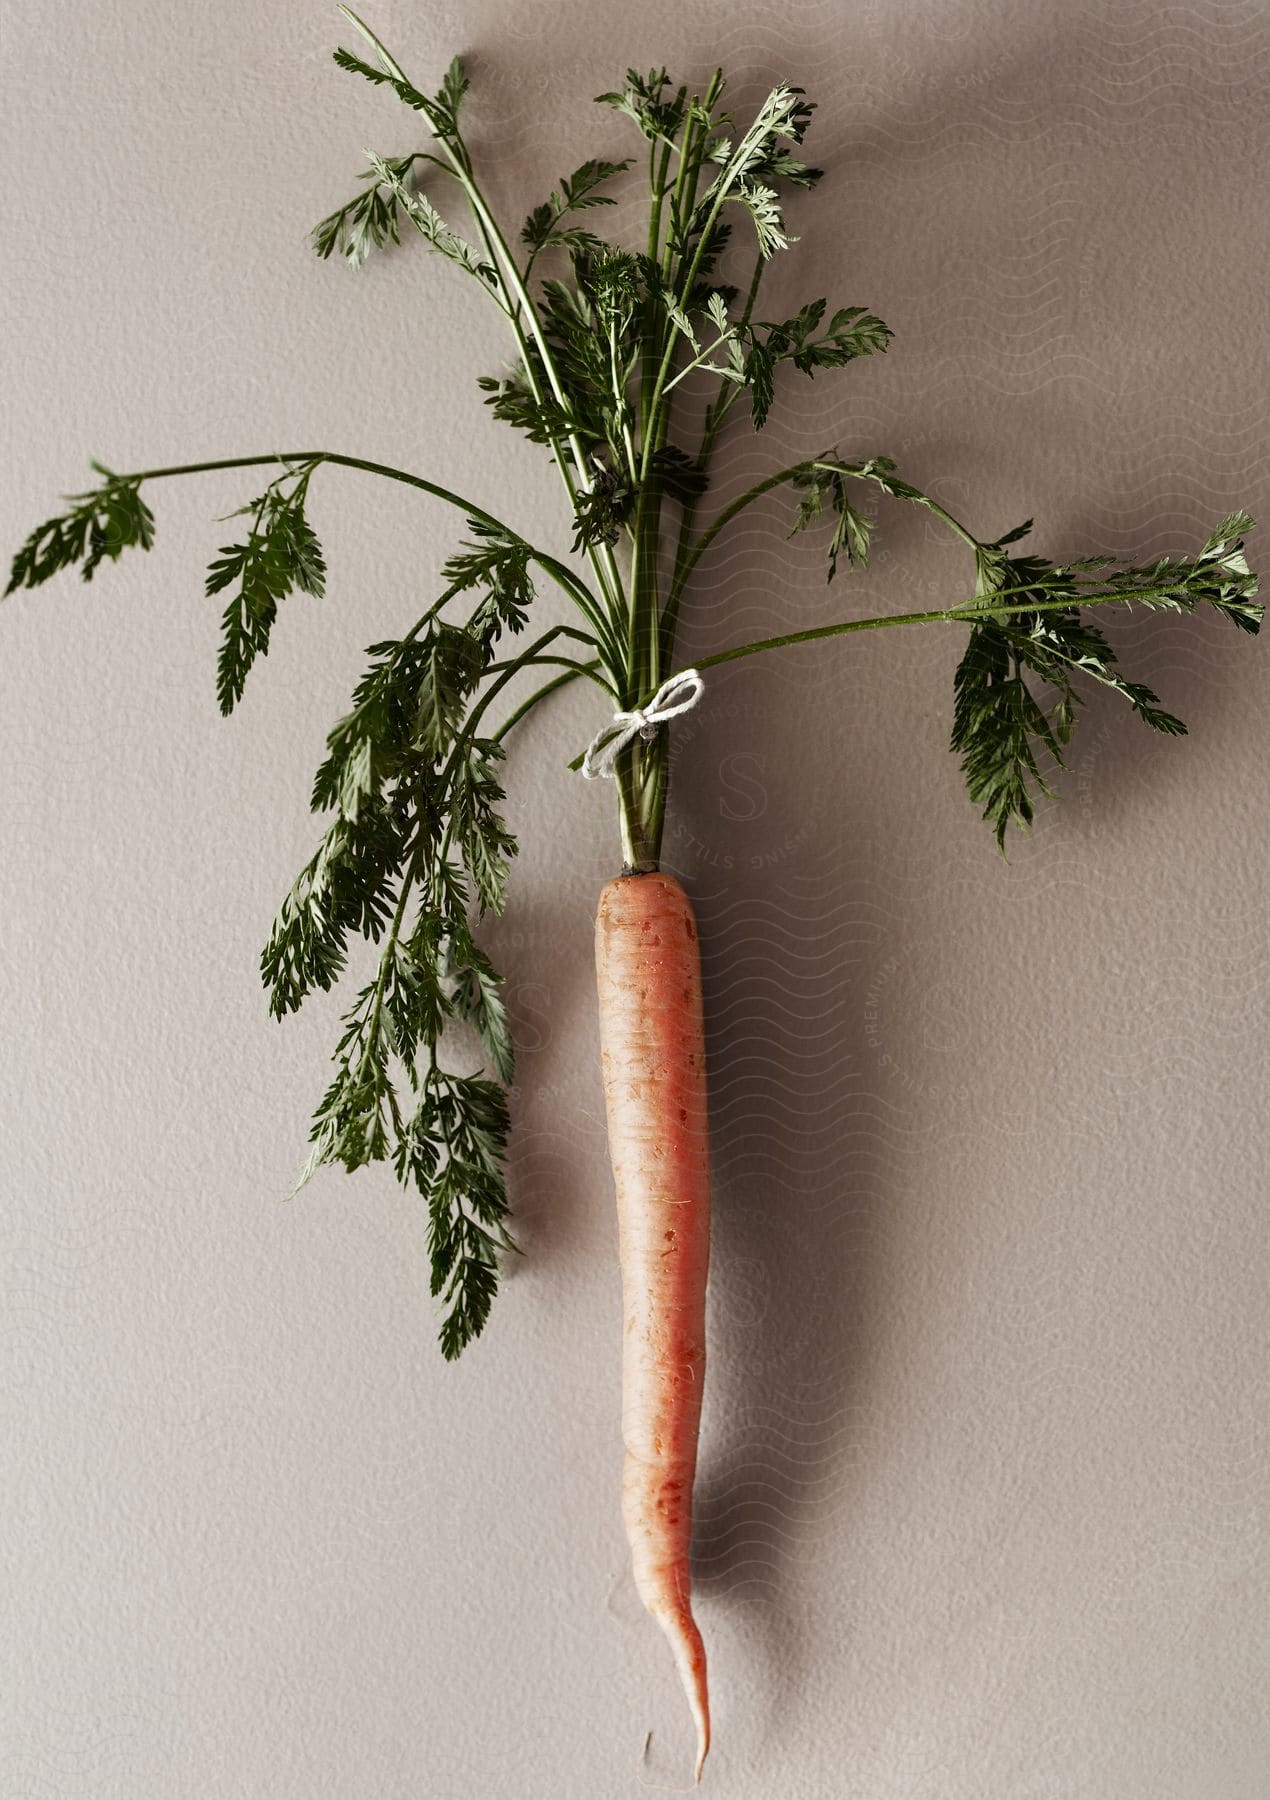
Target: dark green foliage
(450,664)
(347,886)
(576,194)
(479,830)
(280,553)
(682,478)
(432,228)
(1017,691)
(449,1140)
(352,1123)
(415,792)
(415,850)
(1006,736)
(1001,728)
(543,420)
(372,743)
(645,100)
(448,99)
(996,721)
(499,564)
(106,521)
(604,296)
(371,220)
(818,483)
(476,995)
(705,248)
(851,332)
(452,1148)
(601,512)
(780,164)
(449,1143)
(441,111)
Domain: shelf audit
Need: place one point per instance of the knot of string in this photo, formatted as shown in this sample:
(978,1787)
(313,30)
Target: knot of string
(677,695)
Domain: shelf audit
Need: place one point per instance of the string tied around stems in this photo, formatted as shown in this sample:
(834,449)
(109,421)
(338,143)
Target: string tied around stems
(679,694)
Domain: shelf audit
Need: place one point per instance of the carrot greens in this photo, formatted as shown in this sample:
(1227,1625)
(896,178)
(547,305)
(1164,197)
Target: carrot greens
(629,364)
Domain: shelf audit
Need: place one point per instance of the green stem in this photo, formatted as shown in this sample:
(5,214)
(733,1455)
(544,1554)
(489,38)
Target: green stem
(641,772)
(715,415)
(577,590)
(330,456)
(394,933)
(527,706)
(641,806)
(852,471)
(970,612)
(621,409)
(507,672)
(698,360)
(760,263)
(552,662)
(736,162)
(729,513)
(687,169)
(601,556)
(657,186)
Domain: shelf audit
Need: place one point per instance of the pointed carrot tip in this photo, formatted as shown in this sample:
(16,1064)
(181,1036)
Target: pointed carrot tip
(690,1657)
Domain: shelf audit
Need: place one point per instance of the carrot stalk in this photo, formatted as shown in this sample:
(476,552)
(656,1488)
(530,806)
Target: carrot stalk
(652,1046)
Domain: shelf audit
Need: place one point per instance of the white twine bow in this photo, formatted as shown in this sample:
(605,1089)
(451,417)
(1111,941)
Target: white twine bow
(677,695)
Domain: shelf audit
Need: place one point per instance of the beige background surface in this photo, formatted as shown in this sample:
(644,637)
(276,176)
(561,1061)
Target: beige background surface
(983,1492)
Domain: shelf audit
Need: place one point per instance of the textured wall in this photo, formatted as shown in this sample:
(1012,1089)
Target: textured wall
(985,1457)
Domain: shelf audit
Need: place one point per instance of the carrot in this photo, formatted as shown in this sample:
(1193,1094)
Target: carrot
(653,1052)
(417,851)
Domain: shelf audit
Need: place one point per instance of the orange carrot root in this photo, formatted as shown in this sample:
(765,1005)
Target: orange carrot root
(652,1045)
